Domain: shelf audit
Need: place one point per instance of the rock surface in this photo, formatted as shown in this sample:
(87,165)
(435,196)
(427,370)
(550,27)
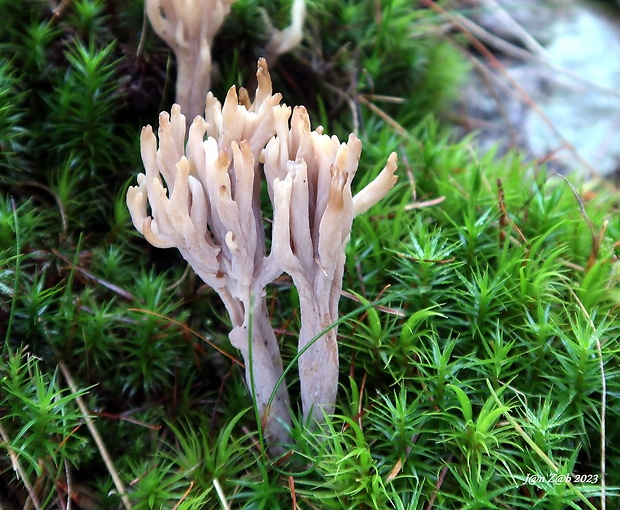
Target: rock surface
(557,97)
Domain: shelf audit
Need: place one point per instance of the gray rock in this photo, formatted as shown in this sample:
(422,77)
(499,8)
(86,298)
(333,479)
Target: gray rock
(561,105)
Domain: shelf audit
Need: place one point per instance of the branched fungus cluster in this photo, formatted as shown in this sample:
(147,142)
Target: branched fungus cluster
(204,194)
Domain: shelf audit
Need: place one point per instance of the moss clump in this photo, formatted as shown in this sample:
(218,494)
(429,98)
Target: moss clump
(479,332)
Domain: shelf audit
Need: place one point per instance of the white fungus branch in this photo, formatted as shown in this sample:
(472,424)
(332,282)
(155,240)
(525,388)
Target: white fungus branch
(285,40)
(204,199)
(310,178)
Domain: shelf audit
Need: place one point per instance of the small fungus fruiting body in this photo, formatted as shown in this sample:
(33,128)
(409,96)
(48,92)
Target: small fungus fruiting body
(189,28)
(310,178)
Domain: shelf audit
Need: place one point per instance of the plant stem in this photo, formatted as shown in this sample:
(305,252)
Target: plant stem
(90,424)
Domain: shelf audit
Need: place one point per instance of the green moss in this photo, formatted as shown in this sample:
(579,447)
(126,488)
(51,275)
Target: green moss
(482,291)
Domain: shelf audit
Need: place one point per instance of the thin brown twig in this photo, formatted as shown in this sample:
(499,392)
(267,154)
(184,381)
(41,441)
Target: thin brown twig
(385,309)
(103,451)
(39,486)
(61,207)
(291,489)
(597,236)
(425,203)
(59,9)
(18,468)
(505,218)
(69,485)
(90,276)
(351,104)
(442,476)
(599,351)
(375,109)
(514,27)
(128,419)
(360,278)
(410,177)
(189,489)
(530,56)
(189,330)
(360,407)
(385,99)
(394,472)
(142,33)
